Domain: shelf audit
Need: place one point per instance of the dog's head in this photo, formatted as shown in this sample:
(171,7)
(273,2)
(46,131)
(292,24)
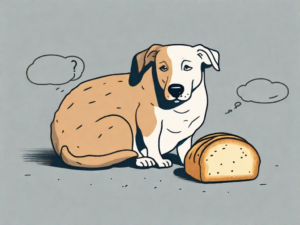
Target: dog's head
(177,69)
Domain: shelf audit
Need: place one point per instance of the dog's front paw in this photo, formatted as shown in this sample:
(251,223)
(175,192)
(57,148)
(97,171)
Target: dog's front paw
(145,162)
(164,163)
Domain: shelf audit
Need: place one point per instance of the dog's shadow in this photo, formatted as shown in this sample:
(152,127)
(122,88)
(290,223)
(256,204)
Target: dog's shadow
(47,157)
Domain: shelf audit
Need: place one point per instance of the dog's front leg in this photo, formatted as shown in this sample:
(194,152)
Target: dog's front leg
(152,143)
(152,154)
(151,128)
(183,149)
(143,160)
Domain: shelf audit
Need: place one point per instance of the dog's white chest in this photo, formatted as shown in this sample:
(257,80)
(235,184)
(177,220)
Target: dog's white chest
(182,121)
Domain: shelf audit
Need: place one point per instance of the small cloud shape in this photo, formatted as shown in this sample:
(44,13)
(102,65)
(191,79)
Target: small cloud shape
(237,104)
(55,69)
(263,91)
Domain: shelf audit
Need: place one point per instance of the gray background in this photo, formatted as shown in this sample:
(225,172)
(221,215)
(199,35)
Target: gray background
(255,39)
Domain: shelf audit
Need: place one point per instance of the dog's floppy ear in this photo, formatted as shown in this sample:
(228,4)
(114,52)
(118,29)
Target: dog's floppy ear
(141,63)
(210,57)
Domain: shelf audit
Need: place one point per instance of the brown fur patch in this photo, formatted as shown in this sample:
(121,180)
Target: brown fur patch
(164,78)
(146,119)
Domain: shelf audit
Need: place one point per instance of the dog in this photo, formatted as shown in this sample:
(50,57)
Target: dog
(143,114)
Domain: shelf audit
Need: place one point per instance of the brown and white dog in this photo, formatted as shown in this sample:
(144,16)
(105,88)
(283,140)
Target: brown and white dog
(144,114)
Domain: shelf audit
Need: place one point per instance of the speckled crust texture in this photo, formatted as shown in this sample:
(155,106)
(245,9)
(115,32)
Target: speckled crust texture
(191,167)
(196,164)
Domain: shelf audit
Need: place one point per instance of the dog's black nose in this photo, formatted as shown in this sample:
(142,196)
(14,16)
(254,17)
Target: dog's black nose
(176,90)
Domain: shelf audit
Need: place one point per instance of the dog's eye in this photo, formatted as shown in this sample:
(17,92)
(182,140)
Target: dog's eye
(187,68)
(163,68)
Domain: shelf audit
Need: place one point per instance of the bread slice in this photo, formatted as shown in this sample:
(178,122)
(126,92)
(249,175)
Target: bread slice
(198,145)
(224,157)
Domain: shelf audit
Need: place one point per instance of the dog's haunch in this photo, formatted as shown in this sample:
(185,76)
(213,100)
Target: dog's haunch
(55,70)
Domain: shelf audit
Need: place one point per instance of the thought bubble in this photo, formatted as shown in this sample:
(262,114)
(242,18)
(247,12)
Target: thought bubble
(55,70)
(229,111)
(262,90)
(237,104)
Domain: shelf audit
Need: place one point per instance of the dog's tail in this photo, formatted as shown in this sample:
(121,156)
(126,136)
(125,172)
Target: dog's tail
(106,142)
(90,161)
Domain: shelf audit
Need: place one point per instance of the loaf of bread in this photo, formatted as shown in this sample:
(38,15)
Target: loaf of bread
(222,157)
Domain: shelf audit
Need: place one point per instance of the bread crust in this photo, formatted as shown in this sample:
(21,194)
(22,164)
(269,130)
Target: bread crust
(196,166)
(219,134)
(192,168)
